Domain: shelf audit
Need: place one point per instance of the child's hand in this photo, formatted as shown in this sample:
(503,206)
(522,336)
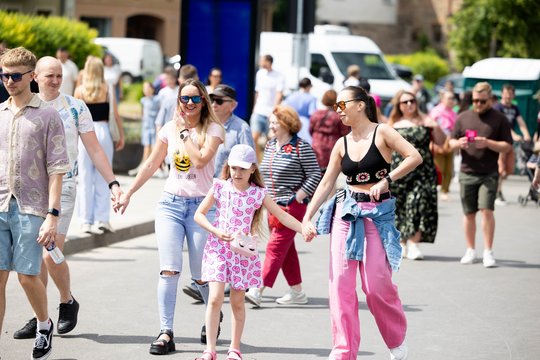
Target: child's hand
(222,235)
(308,230)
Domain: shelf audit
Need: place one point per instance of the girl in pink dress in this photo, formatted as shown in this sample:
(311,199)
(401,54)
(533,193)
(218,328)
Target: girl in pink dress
(239,198)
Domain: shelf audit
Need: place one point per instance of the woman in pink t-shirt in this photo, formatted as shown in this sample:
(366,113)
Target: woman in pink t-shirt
(190,141)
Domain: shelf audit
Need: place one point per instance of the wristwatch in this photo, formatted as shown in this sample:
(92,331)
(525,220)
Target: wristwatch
(184,134)
(388,179)
(54,212)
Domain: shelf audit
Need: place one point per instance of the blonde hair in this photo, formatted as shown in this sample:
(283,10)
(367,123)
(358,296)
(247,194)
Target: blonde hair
(93,79)
(482,87)
(18,57)
(288,118)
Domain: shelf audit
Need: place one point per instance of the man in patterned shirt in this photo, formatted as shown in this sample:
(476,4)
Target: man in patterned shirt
(33,159)
(77,122)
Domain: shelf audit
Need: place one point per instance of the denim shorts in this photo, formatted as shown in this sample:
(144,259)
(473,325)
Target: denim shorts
(69,192)
(478,191)
(175,225)
(19,249)
(259,123)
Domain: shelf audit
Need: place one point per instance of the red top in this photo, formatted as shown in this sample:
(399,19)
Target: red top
(325,128)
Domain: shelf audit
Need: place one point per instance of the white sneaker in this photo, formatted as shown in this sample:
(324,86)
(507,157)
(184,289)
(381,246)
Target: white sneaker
(293,297)
(104,226)
(403,250)
(489,260)
(86,228)
(254,297)
(399,353)
(469,257)
(500,202)
(414,252)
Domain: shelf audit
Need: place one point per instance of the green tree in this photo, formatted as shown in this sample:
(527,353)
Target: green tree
(43,35)
(488,28)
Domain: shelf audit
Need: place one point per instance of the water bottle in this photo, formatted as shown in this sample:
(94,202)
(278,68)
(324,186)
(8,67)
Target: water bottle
(55,253)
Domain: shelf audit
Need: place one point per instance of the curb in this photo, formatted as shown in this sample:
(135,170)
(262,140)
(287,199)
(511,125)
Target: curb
(75,244)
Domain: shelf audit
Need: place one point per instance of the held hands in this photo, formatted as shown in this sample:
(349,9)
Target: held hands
(308,230)
(121,203)
(47,231)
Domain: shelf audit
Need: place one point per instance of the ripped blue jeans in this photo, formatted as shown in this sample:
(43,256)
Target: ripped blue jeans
(175,226)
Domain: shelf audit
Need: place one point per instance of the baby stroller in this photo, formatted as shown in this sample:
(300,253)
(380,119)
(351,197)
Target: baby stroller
(527,155)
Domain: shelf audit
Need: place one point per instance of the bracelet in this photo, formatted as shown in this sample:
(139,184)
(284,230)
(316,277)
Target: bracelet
(53,212)
(388,179)
(112,183)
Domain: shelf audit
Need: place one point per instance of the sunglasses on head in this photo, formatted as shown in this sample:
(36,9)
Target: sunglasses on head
(195,99)
(342,104)
(219,101)
(16,77)
(408,102)
(481,101)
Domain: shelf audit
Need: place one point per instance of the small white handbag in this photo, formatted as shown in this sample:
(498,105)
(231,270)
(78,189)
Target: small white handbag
(245,244)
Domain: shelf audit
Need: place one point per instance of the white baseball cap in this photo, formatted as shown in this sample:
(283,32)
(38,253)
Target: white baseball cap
(242,155)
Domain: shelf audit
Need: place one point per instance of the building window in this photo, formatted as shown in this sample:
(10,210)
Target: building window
(43,12)
(102,25)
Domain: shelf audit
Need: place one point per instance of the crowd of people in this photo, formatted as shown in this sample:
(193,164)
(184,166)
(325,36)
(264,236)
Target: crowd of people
(221,172)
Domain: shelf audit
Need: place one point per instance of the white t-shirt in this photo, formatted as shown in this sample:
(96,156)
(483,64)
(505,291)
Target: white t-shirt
(267,85)
(77,120)
(70,72)
(184,178)
(112,74)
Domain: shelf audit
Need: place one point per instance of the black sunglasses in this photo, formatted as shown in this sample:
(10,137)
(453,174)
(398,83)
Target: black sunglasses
(16,77)
(408,102)
(219,101)
(342,104)
(195,99)
(481,101)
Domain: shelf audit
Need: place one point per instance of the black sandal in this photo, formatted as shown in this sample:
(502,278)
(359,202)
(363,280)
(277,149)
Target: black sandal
(162,346)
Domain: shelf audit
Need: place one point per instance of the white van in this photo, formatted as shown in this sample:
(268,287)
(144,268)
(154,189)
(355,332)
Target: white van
(139,58)
(331,50)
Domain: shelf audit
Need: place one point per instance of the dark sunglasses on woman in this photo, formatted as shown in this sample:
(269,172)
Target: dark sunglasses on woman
(195,99)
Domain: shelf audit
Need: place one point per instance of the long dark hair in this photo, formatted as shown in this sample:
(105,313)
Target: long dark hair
(362,95)
(255,178)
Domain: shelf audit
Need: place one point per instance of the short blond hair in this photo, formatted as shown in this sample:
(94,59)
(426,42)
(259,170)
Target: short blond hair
(18,57)
(482,87)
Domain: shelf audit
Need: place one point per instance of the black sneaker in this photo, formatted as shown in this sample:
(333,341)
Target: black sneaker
(193,291)
(43,344)
(203,330)
(67,317)
(28,331)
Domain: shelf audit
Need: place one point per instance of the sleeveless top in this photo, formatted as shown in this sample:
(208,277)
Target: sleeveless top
(370,169)
(99,111)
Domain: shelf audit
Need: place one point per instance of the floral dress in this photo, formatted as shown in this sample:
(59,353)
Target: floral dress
(234,212)
(416,193)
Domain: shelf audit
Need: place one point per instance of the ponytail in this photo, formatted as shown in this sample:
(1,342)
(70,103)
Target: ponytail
(371,110)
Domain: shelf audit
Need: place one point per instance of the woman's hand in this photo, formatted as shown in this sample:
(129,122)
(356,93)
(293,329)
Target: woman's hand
(119,145)
(121,203)
(376,190)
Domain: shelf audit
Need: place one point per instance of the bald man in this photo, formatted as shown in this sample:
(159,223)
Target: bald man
(77,122)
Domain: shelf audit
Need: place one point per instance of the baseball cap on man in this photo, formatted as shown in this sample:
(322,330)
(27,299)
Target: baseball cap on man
(418,77)
(223,90)
(242,155)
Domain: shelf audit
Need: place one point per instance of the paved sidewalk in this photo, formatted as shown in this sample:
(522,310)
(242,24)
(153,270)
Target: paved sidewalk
(138,220)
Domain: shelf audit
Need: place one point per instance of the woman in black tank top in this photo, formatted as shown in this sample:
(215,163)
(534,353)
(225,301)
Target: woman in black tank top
(363,156)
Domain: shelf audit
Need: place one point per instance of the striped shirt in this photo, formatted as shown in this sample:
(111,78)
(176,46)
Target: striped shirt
(289,169)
